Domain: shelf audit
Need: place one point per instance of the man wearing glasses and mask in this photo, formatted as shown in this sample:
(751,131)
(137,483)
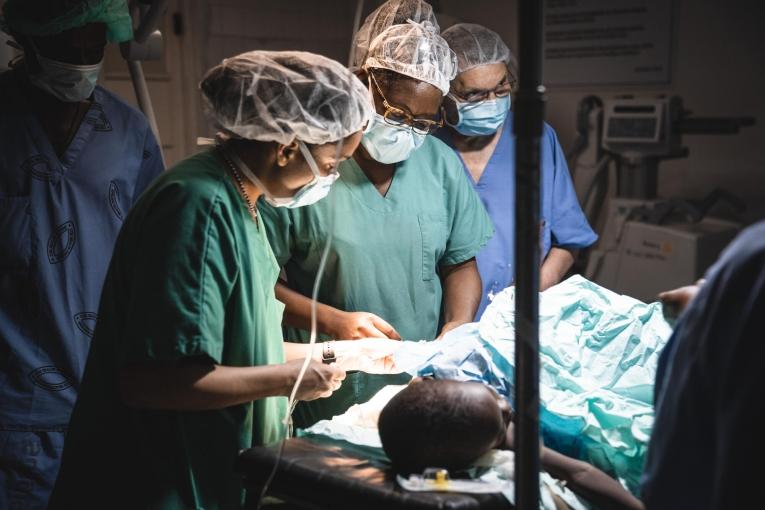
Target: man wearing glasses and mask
(480,130)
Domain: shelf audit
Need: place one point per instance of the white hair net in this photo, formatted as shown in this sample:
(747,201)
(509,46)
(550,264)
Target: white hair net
(476,45)
(392,12)
(415,50)
(280,96)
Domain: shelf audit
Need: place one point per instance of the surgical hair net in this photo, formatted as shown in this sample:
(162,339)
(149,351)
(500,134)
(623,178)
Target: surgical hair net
(280,96)
(415,50)
(476,45)
(392,12)
(51,17)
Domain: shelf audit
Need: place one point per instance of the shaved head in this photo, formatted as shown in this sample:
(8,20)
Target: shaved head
(441,423)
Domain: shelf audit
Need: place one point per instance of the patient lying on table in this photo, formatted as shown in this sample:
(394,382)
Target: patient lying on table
(598,354)
(450,424)
(598,357)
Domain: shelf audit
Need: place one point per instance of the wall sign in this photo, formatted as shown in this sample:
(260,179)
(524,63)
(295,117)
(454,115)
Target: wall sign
(607,42)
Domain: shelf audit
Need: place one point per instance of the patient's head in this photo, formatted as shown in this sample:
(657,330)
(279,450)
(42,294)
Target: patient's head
(441,423)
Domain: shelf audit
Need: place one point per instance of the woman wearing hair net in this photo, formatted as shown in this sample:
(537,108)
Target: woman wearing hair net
(407,225)
(392,12)
(187,364)
(481,132)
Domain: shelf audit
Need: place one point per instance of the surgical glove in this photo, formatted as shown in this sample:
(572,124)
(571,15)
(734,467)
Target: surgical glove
(370,355)
(319,380)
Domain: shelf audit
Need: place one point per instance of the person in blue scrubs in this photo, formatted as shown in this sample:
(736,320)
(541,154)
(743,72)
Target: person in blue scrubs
(73,159)
(707,447)
(481,133)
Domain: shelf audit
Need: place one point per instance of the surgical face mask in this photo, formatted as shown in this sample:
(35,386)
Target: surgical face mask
(68,82)
(309,194)
(312,192)
(482,118)
(390,144)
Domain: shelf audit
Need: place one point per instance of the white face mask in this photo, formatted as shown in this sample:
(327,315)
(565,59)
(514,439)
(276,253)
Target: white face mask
(309,194)
(68,82)
(390,144)
(312,192)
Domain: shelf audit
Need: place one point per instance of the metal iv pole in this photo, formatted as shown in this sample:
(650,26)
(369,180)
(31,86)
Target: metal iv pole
(527,128)
(147,44)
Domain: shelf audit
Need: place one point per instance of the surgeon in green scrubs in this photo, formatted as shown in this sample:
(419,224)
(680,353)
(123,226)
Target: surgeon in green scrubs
(188,364)
(405,223)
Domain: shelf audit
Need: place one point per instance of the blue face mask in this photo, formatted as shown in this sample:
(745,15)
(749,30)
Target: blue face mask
(482,118)
(390,144)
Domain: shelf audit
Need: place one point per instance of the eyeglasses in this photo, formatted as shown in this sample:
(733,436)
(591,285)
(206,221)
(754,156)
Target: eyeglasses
(505,88)
(398,117)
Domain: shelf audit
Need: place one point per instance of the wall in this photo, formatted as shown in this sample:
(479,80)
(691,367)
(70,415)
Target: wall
(171,84)
(230,27)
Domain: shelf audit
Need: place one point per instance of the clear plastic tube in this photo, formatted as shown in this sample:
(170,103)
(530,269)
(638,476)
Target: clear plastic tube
(292,402)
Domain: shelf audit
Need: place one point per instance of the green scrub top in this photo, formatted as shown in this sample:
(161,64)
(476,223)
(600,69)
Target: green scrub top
(385,254)
(192,276)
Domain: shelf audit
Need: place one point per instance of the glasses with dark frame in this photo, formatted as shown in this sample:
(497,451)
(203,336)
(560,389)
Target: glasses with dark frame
(396,116)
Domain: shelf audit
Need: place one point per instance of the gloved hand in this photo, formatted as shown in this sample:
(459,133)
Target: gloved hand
(319,381)
(370,355)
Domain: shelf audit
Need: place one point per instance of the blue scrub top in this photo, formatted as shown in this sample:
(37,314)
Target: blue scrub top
(59,219)
(707,447)
(564,223)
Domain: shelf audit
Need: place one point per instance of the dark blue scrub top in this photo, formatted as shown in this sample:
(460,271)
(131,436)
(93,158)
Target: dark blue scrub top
(59,220)
(707,447)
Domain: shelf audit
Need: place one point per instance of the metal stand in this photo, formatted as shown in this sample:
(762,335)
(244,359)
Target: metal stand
(527,127)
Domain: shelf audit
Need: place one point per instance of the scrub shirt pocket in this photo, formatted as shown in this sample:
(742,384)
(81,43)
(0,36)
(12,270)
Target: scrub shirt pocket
(432,230)
(15,234)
